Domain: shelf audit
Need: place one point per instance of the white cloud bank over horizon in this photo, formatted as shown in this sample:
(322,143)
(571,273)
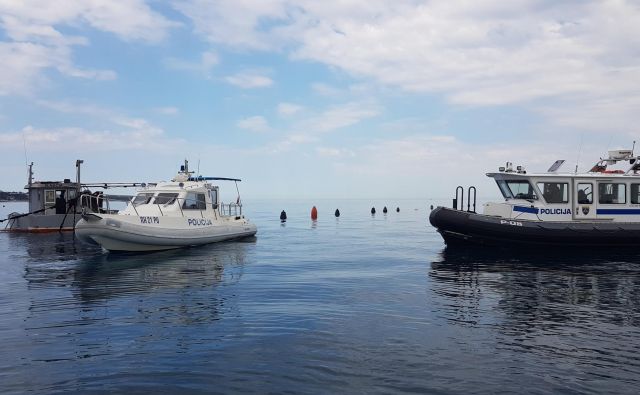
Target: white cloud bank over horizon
(37,42)
(584,55)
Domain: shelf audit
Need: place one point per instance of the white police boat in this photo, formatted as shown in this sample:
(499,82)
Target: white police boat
(181,213)
(597,208)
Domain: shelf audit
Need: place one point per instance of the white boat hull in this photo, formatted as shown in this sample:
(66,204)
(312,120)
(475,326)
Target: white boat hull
(133,233)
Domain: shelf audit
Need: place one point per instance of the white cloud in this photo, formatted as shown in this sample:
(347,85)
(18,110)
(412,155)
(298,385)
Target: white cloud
(137,134)
(433,158)
(23,64)
(473,53)
(75,108)
(36,19)
(249,80)
(311,128)
(167,110)
(255,124)
(334,152)
(324,89)
(237,23)
(288,109)
(339,117)
(207,61)
(37,42)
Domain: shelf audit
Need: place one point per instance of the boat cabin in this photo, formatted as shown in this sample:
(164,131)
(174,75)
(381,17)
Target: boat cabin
(173,198)
(51,197)
(602,193)
(184,196)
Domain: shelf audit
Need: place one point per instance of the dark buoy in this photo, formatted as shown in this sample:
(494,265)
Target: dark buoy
(373,210)
(431,207)
(384,210)
(337,213)
(283,216)
(397,209)
(314,213)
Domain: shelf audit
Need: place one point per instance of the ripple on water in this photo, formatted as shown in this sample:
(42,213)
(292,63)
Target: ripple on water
(355,304)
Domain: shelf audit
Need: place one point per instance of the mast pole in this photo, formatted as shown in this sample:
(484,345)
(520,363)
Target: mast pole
(78,163)
(30,181)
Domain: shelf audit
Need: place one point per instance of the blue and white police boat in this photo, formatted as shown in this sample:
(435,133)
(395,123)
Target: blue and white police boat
(598,208)
(167,215)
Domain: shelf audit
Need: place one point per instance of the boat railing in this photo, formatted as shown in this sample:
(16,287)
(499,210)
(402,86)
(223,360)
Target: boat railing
(230,209)
(96,203)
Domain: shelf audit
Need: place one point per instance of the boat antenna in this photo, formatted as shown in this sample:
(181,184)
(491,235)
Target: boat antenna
(633,147)
(579,152)
(609,143)
(198,172)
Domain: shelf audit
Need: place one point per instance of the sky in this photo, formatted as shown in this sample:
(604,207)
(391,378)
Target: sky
(315,99)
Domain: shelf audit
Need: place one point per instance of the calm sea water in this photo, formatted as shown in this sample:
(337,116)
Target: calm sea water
(358,304)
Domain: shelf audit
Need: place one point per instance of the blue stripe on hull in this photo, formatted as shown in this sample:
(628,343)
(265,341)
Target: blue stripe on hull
(530,210)
(618,211)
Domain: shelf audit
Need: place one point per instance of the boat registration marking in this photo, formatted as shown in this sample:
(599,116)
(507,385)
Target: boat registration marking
(512,223)
(149,220)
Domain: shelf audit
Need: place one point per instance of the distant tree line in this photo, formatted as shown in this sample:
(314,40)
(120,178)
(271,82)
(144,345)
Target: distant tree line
(13,196)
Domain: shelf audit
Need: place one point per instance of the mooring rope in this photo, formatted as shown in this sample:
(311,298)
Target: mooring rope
(24,215)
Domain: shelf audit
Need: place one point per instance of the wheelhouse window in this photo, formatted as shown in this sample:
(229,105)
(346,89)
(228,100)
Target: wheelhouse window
(504,189)
(194,201)
(521,189)
(49,197)
(635,193)
(165,198)
(612,193)
(554,192)
(142,198)
(584,193)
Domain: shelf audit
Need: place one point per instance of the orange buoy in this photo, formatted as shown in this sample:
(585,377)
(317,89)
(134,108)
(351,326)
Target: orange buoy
(314,213)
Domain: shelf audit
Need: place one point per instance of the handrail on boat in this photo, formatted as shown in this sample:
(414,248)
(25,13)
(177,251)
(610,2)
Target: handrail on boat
(460,199)
(96,203)
(100,204)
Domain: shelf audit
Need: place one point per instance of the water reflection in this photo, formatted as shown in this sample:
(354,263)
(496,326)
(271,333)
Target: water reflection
(58,246)
(537,289)
(572,307)
(114,275)
(180,282)
(152,302)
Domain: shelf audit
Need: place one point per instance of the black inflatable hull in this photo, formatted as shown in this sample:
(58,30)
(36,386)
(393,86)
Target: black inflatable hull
(464,228)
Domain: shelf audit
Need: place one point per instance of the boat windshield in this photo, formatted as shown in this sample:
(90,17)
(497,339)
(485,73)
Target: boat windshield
(165,198)
(195,201)
(517,189)
(142,198)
